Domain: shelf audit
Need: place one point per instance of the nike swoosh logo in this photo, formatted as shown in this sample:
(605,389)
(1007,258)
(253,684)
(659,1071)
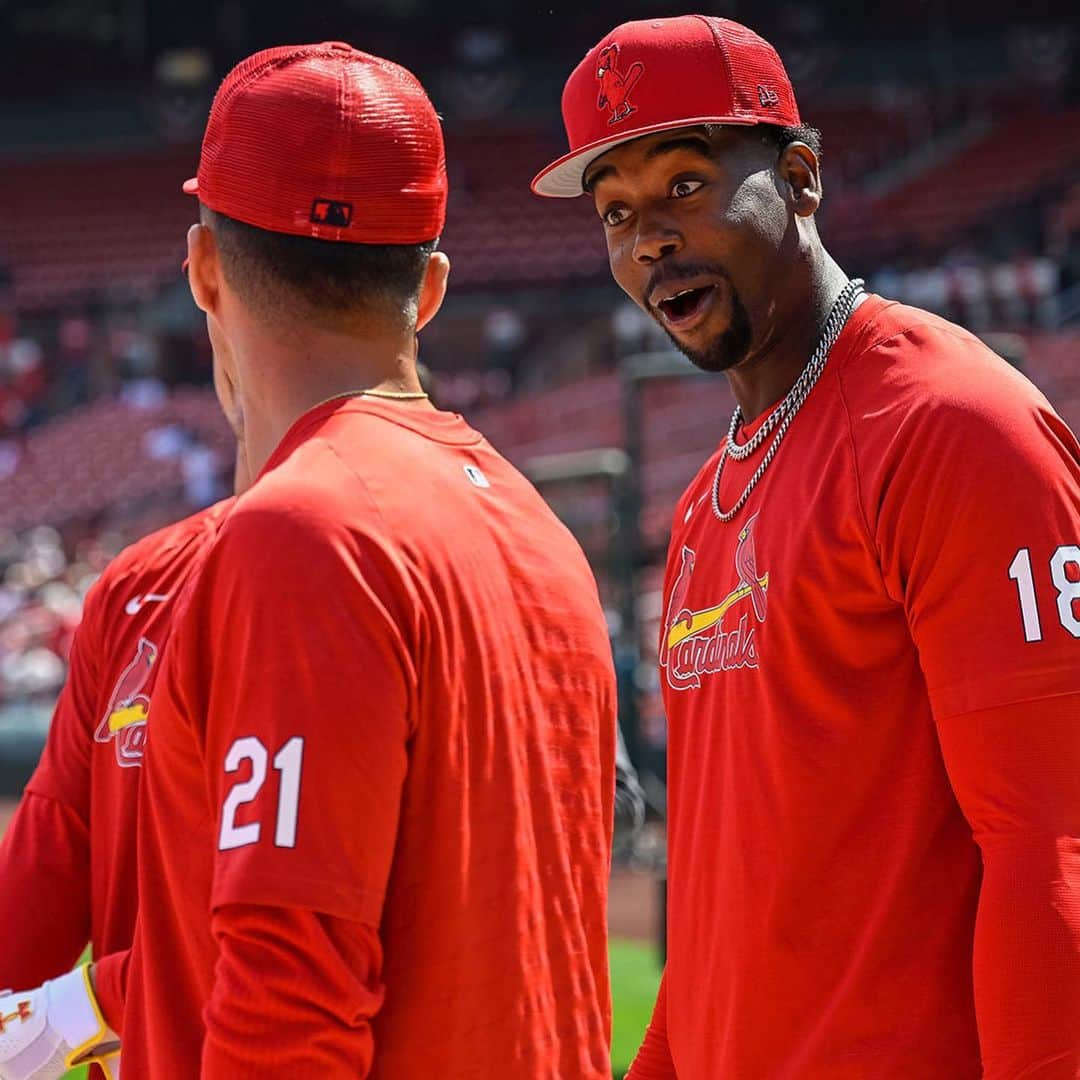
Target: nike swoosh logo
(134,605)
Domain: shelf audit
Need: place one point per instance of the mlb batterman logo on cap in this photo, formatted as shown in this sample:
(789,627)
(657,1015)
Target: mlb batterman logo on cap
(325,141)
(657,74)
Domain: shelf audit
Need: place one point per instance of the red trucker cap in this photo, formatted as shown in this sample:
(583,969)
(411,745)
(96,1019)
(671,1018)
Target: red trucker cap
(657,74)
(325,141)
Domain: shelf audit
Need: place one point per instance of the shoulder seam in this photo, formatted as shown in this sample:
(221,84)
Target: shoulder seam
(129,557)
(369,498)
(924,324)
(413,709)
(860,505)
(132,567)
(884,339)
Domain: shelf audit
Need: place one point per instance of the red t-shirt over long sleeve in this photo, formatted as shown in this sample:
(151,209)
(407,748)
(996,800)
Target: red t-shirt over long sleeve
(872,679)
(67,861)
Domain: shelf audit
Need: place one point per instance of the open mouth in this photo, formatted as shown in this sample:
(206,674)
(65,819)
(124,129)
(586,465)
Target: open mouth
(684,307)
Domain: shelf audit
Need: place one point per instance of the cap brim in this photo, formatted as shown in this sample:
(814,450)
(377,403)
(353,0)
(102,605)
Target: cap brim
(191,187)
(562,178)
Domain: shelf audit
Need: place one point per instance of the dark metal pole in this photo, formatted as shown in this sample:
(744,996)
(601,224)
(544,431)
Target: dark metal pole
(626,563)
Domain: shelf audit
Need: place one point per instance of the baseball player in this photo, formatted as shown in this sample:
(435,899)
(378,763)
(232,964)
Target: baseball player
(871,651)
(376,822)
(67,860)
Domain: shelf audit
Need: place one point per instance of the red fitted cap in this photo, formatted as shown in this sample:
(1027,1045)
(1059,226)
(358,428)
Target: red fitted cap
(658,74)
(325,141)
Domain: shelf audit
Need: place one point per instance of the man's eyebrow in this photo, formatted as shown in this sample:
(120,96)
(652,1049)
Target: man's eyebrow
(697,144)
(590,182)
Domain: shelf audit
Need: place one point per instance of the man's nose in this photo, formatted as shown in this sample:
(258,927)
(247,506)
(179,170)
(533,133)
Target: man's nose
(656,238)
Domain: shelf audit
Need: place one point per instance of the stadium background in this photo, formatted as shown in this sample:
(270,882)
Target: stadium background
(951,133)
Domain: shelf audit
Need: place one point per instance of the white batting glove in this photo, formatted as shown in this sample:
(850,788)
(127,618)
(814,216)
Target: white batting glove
(44,1032)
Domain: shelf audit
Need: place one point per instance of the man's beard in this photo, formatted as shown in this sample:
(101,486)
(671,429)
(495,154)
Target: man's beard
(726,350)
(730,347)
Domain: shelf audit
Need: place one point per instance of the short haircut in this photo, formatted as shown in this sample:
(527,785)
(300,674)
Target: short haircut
(336,283)
(782,137)
(775,136)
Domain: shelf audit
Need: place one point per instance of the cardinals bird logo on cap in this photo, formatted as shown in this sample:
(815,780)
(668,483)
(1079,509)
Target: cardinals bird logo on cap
(615,85)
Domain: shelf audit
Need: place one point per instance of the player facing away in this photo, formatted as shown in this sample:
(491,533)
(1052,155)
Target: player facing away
(67,860)
(870,656)
(375,824)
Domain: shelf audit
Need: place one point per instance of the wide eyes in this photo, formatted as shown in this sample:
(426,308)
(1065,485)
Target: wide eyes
(617,214)
(682,188)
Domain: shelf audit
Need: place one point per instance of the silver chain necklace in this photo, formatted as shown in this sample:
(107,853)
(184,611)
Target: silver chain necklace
(780,418)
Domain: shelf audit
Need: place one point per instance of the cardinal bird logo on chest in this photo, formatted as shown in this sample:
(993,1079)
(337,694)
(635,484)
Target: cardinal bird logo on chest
(125,716)
(697,643)
(615,85)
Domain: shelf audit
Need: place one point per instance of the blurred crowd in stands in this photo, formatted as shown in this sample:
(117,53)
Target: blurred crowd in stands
(44,574)
(106,354)
(531,305)
(41,593)
(84,358)
(45,571)
(967,288)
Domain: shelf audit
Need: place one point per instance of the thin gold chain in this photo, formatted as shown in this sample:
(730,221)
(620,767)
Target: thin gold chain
(397,395)
(392,395)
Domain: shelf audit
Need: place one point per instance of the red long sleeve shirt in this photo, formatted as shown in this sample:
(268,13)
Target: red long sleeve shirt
(67,860)
(872,679)
(376,819)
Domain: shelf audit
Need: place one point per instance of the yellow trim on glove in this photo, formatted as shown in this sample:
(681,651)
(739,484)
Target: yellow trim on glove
(106,1064)
(103,1028)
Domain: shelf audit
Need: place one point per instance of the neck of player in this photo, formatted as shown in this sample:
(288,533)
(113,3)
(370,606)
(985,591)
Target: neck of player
(786,332)
(282,379)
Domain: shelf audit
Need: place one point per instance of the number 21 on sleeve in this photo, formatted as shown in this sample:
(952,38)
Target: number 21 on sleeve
(288,761)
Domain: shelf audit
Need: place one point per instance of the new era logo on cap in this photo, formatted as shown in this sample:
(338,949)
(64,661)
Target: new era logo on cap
(768,98)
(331,212)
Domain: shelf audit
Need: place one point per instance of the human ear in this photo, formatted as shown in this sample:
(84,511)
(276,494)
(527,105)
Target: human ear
(433,289)
(798,168)
(203,268)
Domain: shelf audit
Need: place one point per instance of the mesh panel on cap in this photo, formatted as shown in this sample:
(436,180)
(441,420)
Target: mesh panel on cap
(328,142)
(753,63)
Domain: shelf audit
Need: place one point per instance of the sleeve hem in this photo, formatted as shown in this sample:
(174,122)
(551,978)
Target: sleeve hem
(33,790)
(962,698)
(327,897)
